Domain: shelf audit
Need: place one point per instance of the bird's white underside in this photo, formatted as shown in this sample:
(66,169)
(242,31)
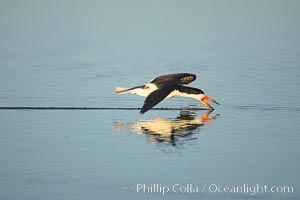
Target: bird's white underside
(150,87)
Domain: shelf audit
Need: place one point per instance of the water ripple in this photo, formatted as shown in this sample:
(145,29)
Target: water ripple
(266,108)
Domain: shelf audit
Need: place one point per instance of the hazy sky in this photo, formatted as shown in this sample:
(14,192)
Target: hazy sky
(50,47)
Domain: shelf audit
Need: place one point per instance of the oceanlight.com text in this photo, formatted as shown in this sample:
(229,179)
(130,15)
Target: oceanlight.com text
(250,189)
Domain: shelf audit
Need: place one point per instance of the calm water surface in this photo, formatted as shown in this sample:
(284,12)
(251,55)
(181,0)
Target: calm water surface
(245,54)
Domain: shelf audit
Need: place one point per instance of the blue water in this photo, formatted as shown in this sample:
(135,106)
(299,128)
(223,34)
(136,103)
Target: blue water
(246,56)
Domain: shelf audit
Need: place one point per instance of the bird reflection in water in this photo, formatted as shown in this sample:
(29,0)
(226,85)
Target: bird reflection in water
(173,131)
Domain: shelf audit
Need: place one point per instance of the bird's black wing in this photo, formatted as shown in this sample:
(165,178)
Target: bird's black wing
(182,78)
(158,95)
(189,90)
(166,84)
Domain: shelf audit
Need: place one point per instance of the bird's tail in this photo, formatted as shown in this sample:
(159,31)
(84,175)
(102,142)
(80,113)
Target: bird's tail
(121,90)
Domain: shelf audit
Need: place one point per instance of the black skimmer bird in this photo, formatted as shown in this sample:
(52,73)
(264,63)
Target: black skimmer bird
(165,87)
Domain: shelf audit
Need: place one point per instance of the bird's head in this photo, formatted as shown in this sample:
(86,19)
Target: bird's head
(207,98)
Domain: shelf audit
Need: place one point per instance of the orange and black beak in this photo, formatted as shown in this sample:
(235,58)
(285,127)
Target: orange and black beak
(205,99)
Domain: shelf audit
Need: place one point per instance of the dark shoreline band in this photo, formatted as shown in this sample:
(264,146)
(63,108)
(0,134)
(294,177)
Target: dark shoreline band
(92,108)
